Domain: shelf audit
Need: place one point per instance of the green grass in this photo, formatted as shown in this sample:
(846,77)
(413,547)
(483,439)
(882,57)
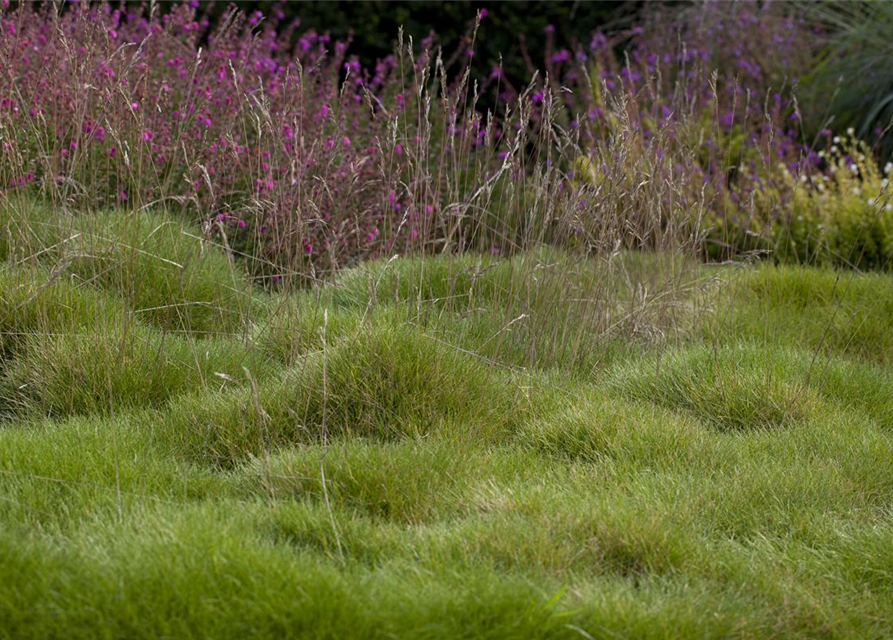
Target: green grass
(832,312)
(169,275)
(655,450)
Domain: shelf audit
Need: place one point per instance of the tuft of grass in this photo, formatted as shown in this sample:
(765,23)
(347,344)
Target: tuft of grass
(747,387)
(543,309)
(827,310)
(36,302)
(170,275)
(735,389)
(126,368)
(305,323)
(607,429)
(388,382)
(410,481)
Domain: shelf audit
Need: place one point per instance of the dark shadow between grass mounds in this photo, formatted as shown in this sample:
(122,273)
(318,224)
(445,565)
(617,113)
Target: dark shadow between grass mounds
(385,383)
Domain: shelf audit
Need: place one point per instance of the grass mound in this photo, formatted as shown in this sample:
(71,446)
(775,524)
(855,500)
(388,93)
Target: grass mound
(408,481)
(304,324)
(162,267)
(746,387)
(388,382)
(125,368)
(608,429)
(835,312)
(736,390)
(537,446)
(36,302)
(543,309)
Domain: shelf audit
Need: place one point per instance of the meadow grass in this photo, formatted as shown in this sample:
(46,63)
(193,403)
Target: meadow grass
(474,446)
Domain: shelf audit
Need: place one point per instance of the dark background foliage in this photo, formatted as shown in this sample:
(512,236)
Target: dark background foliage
(512,30)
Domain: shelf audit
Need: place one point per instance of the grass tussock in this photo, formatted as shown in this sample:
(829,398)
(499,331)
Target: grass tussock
(405,482)
(124,369)
(831,311)
(385,383)
(35,302)
(741,389)
(170,275)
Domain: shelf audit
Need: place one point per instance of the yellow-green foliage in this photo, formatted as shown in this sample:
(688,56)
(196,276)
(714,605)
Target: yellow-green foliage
(844,216)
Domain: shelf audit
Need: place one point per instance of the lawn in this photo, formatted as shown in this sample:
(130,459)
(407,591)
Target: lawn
(451,446)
